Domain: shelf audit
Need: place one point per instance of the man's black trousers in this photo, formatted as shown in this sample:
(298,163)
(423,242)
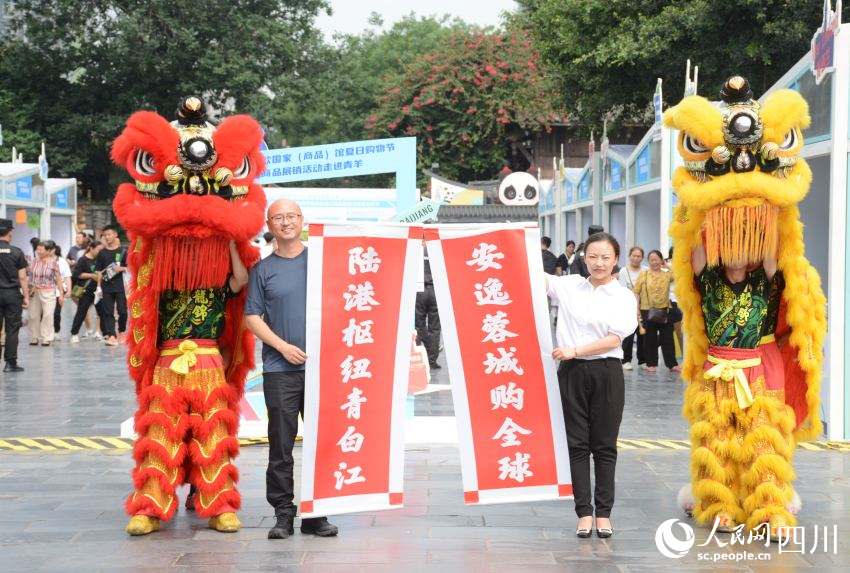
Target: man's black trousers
(284,394)
(11,306)
(111,301)
(428,322)
(592,395)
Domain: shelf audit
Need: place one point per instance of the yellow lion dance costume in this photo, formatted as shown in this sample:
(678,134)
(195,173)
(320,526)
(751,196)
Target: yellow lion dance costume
(752,362)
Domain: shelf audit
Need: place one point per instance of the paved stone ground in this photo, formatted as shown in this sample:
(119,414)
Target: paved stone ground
(63,511)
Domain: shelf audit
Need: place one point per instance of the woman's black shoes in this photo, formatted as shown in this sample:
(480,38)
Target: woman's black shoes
(604,532)
(583,532)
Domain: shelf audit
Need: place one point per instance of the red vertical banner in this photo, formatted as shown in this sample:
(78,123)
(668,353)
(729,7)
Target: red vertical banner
(495,322)
(361,285)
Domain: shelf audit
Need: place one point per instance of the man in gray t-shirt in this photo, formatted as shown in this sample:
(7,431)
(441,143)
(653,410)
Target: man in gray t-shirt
(277,291)
(275,311)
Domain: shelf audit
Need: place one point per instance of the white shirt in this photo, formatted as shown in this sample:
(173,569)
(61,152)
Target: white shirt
(586,314)
(64,270)
(628,277)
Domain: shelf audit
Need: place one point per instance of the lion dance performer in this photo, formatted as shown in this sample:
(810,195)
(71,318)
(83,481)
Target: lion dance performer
(190,214)
(755,314)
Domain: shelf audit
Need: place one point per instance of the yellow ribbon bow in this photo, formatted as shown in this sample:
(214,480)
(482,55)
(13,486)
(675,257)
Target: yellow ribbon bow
(728,370)
(186,354)
(187,357)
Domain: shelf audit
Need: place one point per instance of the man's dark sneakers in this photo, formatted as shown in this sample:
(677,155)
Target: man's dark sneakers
(12,367)
(283,528)
(319,526)
(435,366)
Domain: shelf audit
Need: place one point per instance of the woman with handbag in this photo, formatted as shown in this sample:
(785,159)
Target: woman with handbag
(653,292)
(86,280)
(628,278)
(48,289)
(595,314)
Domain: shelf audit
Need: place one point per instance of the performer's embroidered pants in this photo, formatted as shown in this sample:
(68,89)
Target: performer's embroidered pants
(187,425)
(592,395)
(284,395)
(741,453)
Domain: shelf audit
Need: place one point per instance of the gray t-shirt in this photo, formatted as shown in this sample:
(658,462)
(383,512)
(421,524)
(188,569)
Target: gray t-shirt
(277,291)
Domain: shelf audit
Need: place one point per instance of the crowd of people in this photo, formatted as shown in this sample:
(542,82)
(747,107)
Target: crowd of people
(649,277)
(92,275)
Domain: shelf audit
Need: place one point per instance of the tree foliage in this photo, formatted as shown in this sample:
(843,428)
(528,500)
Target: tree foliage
(75,69)
(336,93)
(466,102)
(608,54)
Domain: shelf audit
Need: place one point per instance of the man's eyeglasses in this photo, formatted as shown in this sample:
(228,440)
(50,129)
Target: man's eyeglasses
(288,217)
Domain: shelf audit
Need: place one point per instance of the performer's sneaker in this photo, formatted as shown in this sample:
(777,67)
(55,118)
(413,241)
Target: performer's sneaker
(190,502)
(142,525)
(726,523)
(225,522)
(319,526)
(282,528)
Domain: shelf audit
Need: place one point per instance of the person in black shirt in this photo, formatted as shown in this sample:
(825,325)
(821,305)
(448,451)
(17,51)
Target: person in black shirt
(427,319)
(550,261)
(85,278)
(14,293)
(79,247)
(566,258)
(111,263)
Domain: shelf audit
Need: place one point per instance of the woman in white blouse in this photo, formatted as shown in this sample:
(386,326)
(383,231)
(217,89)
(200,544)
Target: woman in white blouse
(594,315)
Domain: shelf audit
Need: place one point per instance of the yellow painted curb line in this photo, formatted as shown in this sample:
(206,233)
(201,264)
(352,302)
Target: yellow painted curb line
(77,443)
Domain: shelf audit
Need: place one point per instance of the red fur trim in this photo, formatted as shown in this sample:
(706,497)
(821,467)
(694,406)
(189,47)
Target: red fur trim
(228,446)
(201,428)
(226,393)
(199,217)
(166,400)
(235,138)
(227,501)
(141,477)
(175,432)
(228,472)
(149,131)
(147,505)
(145,446)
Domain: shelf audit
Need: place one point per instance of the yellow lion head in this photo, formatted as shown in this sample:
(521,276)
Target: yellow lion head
(741,166)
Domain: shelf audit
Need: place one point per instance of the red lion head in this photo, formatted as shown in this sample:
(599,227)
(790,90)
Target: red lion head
(191,178)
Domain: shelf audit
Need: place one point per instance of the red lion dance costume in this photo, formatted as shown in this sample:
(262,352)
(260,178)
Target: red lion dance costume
(189,351)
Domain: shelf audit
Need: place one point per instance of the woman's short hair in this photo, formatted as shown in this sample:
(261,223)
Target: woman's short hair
(655,252)
(636,248)
(603,237)
(48,245)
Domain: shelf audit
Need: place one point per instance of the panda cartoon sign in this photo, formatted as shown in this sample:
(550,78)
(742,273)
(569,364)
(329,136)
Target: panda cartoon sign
(519,188)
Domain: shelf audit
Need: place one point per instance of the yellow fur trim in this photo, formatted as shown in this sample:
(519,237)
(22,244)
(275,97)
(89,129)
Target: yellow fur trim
(781,192)
(805,313)
(698,118)
(763,516)
(782,111)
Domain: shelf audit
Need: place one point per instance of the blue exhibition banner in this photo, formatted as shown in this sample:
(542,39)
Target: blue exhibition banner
(23,188)
(584,189)
(61,199)
(349,159)
(615,176)
(642,170)
(570,188)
